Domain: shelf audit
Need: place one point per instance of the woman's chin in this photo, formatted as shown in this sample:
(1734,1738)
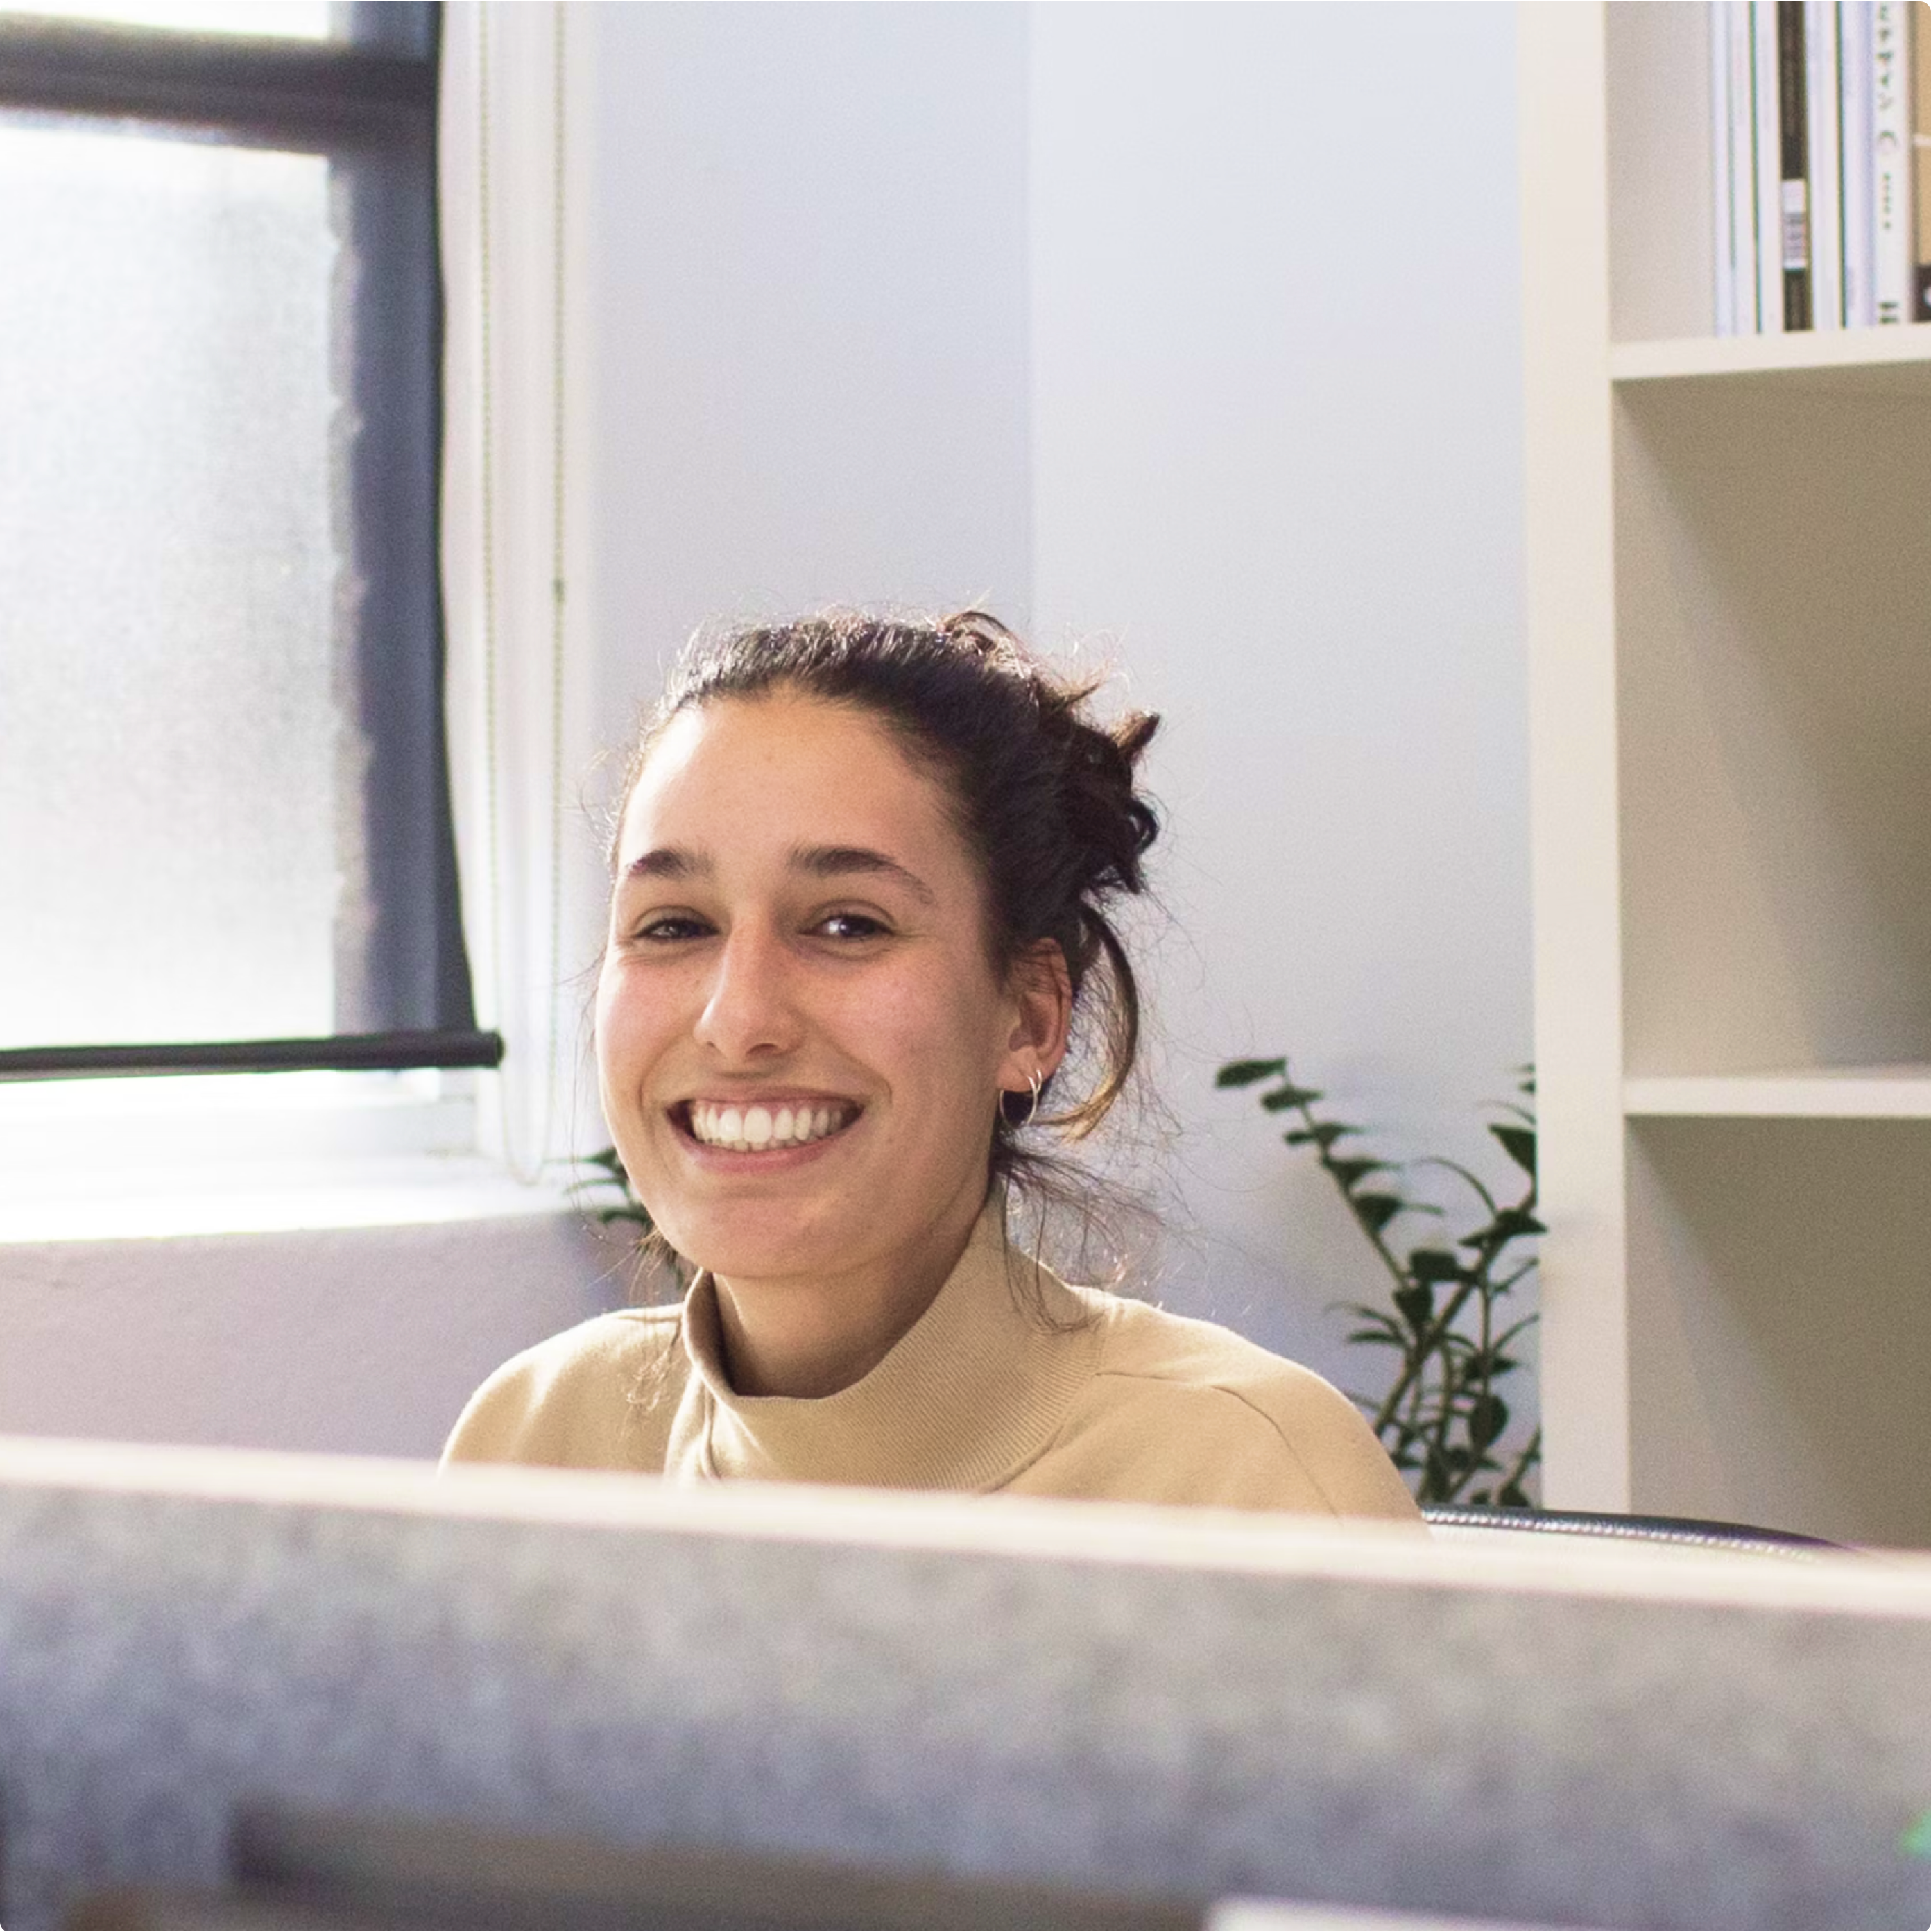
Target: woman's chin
(749,1245)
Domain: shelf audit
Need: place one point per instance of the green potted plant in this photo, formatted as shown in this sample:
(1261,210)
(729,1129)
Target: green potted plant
(1442,1416)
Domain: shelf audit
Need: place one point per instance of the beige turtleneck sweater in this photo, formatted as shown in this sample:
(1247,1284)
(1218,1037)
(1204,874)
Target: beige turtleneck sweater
(1105,1400)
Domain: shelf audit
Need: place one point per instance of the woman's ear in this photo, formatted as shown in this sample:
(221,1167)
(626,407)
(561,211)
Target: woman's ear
(1042,994)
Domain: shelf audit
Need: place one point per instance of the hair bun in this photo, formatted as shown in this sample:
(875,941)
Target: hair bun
(1111,823)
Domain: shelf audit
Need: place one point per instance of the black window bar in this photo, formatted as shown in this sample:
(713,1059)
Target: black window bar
(340,1053)
(371,94)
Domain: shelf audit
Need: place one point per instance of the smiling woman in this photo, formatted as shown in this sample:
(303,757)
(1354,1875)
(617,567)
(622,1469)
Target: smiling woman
(859,916)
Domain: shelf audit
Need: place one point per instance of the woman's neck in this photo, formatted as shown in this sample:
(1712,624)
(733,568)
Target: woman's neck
(815,1336)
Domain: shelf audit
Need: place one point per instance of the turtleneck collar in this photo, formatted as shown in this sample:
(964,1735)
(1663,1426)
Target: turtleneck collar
(973,1392)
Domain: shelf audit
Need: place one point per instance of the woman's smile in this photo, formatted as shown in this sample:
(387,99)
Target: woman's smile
(769,1125)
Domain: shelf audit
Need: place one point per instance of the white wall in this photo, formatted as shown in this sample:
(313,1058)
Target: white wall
(1276,368)
(363,1341)
(810,284)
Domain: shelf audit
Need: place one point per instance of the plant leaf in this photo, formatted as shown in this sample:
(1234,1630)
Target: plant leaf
(1417,1305)
(1376,1210)
(1282,1098)
(1376,1319)
(1488,1417)
(1434,1265)
(1349,1172)
(1511,1224)
(1245,1073)
(1323,1135)
(1518,1144)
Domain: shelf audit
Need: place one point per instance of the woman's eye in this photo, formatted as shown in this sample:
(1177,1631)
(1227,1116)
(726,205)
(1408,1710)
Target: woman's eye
(669,927)
(850,925)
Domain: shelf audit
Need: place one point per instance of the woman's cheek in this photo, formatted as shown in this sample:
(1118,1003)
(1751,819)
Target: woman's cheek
(917,1029)
(630,1026)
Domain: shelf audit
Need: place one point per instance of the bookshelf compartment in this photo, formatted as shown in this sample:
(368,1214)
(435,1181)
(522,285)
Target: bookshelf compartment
(1780,1323)
(1772,572)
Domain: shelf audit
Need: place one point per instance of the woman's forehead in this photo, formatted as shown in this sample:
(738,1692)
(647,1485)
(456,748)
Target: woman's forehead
(780,768)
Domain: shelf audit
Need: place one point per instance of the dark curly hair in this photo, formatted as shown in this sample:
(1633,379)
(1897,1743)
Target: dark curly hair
(1045,797)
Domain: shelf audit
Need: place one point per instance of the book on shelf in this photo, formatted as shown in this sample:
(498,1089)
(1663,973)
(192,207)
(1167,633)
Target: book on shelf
(1820,117)
(1824,174)
(1793,135)
(1858,157)
(1894,252)
(1919,58)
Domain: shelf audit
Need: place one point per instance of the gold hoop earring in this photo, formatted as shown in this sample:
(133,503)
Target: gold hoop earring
(1035,1080)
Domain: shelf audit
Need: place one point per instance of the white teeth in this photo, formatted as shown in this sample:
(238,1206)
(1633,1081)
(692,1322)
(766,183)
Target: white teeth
(750,1129)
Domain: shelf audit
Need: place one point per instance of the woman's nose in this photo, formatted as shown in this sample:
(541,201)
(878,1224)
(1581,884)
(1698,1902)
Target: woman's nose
(749,1010)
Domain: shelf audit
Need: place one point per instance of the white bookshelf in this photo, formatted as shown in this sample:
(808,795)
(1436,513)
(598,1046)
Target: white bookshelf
(1729,615)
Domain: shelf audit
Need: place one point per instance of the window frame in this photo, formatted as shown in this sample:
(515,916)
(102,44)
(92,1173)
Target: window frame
(374,94)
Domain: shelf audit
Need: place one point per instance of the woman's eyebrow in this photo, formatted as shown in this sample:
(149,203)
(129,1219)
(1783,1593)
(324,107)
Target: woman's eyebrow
(669,862)
(828,861)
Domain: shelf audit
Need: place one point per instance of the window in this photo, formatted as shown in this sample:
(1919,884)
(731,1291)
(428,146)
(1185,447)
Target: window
(224,829)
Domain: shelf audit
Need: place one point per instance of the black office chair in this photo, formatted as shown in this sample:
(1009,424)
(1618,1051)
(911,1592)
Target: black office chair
(1735,1537)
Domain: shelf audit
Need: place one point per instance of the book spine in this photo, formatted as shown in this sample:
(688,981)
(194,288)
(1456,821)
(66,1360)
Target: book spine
(1769,212)
(1853,115)
(1722,235)
(1793,130)
(1824,171)
(1742,165)
(1919,57)
(1893,241)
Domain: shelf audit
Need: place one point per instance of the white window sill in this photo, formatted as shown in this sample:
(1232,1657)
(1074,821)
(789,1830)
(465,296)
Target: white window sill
(370,1194)
(141,1159)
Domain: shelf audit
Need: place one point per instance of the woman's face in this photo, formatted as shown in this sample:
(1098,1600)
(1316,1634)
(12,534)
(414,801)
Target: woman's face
(800,1037)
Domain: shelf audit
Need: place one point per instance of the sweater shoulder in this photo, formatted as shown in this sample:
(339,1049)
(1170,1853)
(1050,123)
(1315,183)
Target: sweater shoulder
(1146,1341)
(1273,1424)
(577,1399)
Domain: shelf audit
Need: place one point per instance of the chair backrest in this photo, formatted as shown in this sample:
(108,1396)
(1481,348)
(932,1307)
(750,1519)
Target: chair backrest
(1736,1538)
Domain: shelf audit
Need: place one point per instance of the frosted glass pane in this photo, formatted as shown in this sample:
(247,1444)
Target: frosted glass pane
(169,723)
(285,20)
